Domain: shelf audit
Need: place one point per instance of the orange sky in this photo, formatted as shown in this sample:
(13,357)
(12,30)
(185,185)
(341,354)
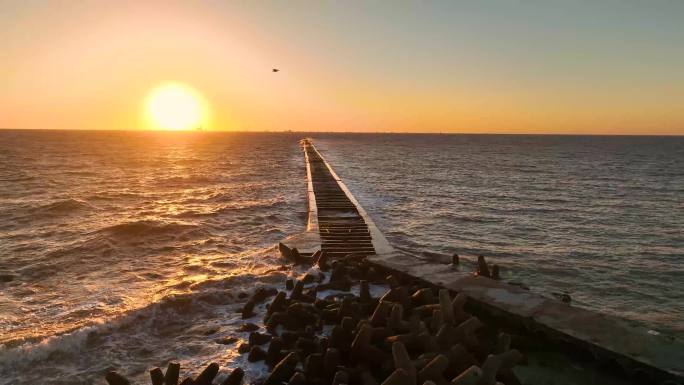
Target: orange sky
(612,68)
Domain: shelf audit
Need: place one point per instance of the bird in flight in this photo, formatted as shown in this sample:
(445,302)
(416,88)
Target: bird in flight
(275,70)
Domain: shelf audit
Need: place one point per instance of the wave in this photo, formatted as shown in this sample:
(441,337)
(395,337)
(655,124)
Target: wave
(203,316)
(148,228)
(62,207)
(237,206)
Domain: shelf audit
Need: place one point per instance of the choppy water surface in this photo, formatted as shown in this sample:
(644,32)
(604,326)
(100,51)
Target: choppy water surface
(127,250)
(136,244)
(601,218)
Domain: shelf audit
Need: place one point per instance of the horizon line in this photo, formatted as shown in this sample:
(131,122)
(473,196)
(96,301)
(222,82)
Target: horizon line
(335,132)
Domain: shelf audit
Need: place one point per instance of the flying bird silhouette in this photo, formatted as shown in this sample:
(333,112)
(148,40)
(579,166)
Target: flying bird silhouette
(275,70)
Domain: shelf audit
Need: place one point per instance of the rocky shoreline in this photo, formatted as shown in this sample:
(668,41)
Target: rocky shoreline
(327,327)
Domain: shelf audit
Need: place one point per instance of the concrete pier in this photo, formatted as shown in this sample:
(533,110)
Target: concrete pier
(339,226)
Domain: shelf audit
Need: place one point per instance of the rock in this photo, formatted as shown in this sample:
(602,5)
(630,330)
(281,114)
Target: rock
(395,321)
(114,378)
(313,365)
(433,370)
(402,361)
(187,381)
(248,310)
(256,354)
(341,378)
(172,373)
(392,281)
(289,284)
(235,377)
(248,327)
(226,340)
(470,376)
(297,379)
(207,375)
(361,346)
(495,272)
(274,352)
(496,361)
(308,278)
(423,297)
(482,268)
(457,304)
(283,371)
(465,332)
(364,291)
(330,361)
(503,343)
(157,376)
(446,307)
(367,378)
(243,348)
(399,377)
(256,338)
(455,260)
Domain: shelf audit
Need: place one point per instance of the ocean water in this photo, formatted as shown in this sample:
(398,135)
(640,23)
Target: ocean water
(130,249)
(598,218)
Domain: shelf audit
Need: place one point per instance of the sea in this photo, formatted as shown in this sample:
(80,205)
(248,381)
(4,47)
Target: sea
(126,250)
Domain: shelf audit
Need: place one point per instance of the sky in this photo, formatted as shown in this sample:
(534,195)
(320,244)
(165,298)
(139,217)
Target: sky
(566,67)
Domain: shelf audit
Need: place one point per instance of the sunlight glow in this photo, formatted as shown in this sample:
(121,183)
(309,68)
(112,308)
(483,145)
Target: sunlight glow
(175,106)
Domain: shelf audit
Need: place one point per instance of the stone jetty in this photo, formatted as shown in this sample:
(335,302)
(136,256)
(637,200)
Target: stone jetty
(428,324)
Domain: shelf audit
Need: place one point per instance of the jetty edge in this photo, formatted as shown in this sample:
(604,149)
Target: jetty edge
(614,342)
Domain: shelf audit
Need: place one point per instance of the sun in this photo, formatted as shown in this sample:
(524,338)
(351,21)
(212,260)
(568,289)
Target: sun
(175,106)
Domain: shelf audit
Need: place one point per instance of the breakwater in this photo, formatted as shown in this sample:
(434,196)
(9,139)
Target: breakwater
(420,331)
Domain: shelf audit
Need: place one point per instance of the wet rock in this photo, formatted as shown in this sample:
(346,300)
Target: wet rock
(274,352)
(364,291)
(243,348)
(256,354)
(226,340)
(482,268)
(235,377)
(248,327)
(114,378)
(248,310)
(455,260)
(289,284)
(157,376)
(256,338)
(207,375)
(283,370)
(172,373)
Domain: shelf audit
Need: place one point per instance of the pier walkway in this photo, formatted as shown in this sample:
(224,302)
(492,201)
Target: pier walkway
(339,226)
